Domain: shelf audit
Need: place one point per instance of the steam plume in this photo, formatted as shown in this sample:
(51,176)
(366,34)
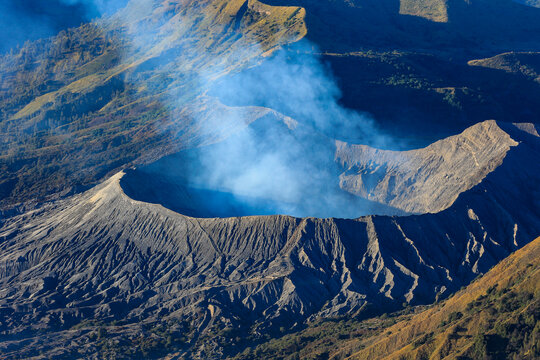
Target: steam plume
(279,162)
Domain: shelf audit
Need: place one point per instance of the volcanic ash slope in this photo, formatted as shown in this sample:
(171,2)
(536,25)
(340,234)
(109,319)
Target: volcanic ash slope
(102,255)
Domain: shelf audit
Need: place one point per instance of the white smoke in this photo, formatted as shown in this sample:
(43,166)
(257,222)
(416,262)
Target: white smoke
(286,158)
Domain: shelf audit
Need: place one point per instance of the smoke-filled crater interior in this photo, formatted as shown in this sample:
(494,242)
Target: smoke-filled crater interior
(266,169)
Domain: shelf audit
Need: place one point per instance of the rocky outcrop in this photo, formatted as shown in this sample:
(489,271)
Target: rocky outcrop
(102,255)
(424,180)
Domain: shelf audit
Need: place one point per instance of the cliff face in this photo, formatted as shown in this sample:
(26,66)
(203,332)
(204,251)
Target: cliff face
(103,255)
(439,172)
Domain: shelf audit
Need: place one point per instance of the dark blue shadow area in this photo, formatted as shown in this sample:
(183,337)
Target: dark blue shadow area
(195,202)
(28,20)
(173,194)
(265,169)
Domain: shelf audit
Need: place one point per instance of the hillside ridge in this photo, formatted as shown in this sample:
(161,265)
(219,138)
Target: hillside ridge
(143,263)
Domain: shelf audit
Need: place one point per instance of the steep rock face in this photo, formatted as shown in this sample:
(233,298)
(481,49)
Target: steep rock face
(103,255)
(424,180)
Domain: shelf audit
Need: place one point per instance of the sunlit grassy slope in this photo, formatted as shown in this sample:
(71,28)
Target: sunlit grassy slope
(435,10)
(106,95)
(497,315)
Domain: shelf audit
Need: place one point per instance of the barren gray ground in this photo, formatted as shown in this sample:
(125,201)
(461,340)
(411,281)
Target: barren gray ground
(103,256)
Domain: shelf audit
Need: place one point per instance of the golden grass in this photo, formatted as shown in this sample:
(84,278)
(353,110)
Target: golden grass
(434,10)
(519,272)
(264,26)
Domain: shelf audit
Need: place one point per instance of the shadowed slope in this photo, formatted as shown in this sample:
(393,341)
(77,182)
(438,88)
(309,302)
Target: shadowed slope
(472,26)
(496,316)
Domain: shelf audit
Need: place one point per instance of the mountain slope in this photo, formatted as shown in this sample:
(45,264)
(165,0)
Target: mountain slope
(474,26)
(110,94)
(429,9)
(437,173)
(107,95)
(422,97)
(105,257)
(526,64)
(496,316)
